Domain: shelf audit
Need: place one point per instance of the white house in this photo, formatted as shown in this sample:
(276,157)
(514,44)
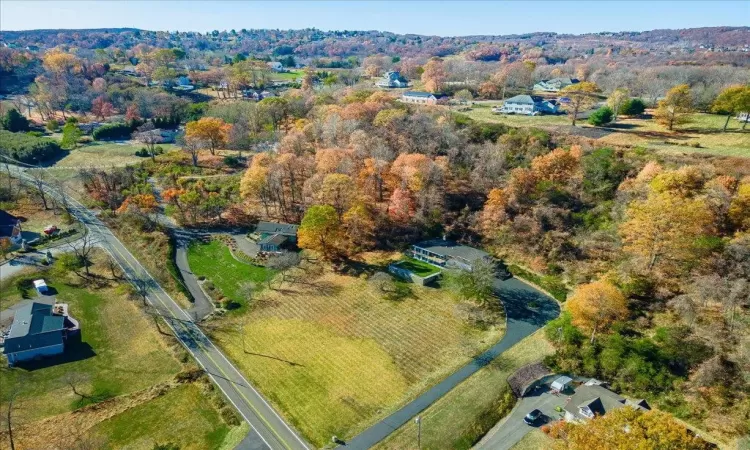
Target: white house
(420,98)
(392,80)
(276,66)
(527,105)
(555,84)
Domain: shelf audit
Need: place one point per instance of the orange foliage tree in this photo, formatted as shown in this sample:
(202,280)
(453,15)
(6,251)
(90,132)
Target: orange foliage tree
(595,306)
(211,130)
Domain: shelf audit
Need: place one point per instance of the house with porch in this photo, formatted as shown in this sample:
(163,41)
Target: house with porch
(10,227)
(392,80)
(528,105)
(448,254)
(38,330)
(273,236)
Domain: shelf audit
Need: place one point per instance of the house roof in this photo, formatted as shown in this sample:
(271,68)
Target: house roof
(276,239)
(598,399)
(7,222)
(34,326)
(285,229)
(524,99)
(452,249)
(418,94)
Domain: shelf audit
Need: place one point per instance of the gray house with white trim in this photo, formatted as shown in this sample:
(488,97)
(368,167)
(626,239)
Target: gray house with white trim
(527,105)
(38,329)
(420,98)
(555,84)
(392,80)
(449,254)
(274,236)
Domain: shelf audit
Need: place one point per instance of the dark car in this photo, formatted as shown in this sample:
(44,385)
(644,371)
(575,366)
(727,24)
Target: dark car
(532,417)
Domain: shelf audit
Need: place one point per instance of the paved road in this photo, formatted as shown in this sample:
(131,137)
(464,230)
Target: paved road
(522,321)
(512,429)
(268,429)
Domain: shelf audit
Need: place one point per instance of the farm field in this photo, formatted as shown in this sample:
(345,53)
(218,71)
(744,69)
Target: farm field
(460,418)
(334,355)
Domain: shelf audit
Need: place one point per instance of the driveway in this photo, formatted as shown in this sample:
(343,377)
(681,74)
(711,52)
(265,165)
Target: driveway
(512,429)
(522,320)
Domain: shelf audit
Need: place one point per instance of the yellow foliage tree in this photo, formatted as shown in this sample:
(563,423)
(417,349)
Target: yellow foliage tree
(630,428)
(595,306)
(582,96)
(663,230)
(739,208)
(434,75)
(558,165)
(675,107)
(211,130)
(338,190)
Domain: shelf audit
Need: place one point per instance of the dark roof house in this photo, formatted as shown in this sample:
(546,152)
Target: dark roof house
(10,226)
(419,97)
(392,79)
(273,236)
(596,400)
(445,253)
(36,331)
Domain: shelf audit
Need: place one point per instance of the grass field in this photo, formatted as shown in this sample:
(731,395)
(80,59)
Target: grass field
(126,370)
(535,440)
(700,134)
(181,416)
(119,352)
(334,355)
(110,154)
(215,262)
(470,410)
(286,76)
(418,267)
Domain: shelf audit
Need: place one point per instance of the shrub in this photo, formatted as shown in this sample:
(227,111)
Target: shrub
(14,121)
(85,140)
(52,125)
(28,149)
(632,107)
(601,116)
(35,133)
(112,131)
(231,161)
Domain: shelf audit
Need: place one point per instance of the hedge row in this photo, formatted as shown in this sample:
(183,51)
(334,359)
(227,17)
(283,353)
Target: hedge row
(27,148)
(112,131)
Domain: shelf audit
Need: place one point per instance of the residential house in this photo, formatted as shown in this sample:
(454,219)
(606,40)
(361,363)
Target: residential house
(449,254)
(592,400)
(392,80)
(276,66)
(528,105)
(555,84)
(10,227)
(274,236)
(38,329)
(420,98)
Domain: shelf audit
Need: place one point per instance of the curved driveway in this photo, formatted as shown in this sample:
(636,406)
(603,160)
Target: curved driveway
(522,320)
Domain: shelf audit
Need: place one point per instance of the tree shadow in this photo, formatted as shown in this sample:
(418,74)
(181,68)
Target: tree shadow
(291,363)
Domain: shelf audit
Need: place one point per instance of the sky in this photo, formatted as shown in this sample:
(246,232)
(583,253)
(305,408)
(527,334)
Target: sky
(444,18)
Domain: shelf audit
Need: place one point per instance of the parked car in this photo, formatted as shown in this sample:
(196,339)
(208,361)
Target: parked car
(532,417)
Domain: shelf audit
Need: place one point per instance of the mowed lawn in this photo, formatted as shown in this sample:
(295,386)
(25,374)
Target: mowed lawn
(334,355)
(119,352)
(107,154)
(215,262)
(418,267)
(460,418)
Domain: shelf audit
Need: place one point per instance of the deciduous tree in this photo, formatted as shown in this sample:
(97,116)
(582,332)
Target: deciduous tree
(582,96)
(675,107)
(320,230)
(595,306)
(434,75)
(211,130)
(733,100)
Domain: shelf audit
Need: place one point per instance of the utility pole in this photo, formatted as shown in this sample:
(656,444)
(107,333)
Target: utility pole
(418,421)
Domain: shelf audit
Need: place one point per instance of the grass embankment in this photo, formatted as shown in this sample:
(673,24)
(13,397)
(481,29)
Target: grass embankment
(122,365)
(418,267)
(215,262)
(534,440)
(550,283)
(335,355)
(464,415)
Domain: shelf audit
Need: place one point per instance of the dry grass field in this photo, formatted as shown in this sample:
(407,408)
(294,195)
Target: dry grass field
(334,355)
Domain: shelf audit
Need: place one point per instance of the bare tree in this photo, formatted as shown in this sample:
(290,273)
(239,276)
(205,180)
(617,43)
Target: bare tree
(193,148)
(82,249)
(282,263)
(383,282)
(75,380)
(149,136)
(38,176)
(114,268)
